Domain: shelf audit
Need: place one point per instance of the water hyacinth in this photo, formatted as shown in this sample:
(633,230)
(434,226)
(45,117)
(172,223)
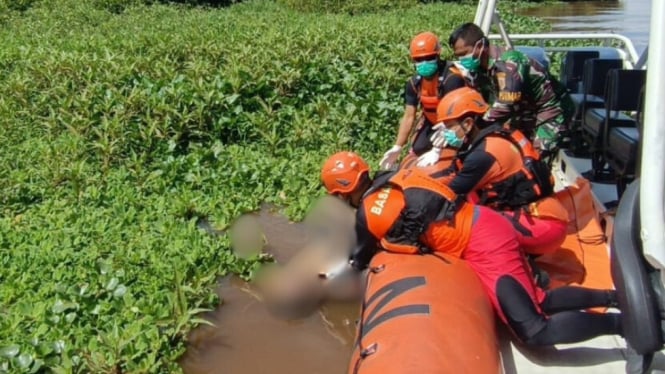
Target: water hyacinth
(120,125)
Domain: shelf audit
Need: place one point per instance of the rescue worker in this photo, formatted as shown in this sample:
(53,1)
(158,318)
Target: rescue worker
(523,92)
(434,78)
(500,168)
(406,211)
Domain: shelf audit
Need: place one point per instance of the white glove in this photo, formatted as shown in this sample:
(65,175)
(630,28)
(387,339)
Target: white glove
(438,139)
(429,158)
(390,157)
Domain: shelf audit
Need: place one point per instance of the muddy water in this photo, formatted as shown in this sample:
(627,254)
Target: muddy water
(630,18)
(248,339)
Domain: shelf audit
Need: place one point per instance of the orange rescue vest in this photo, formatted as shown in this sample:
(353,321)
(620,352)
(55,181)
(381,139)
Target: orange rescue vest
(431,90)
(533,182)
(426,204)
(430,96)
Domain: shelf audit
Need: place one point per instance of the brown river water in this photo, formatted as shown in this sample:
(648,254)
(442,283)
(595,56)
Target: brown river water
(248,339)
(630,18)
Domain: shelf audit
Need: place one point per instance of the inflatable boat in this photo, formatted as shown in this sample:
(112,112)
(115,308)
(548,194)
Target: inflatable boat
(429,313)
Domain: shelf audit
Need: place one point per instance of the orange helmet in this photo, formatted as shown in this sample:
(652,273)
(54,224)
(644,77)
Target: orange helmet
(425,44)
(342,171)
(459,103)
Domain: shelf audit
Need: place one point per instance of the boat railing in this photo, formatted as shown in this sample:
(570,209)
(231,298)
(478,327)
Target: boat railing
(547,41)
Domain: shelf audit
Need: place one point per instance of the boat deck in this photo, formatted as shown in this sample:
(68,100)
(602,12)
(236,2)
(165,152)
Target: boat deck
(604,354)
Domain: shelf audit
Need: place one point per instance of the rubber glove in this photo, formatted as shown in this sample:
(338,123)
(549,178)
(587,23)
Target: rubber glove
(438,138)
(429,158)
(390,157)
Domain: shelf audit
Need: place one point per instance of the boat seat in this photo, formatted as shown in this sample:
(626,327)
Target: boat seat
(622,147)
(623,140)
(572,69)
(594,77)
(623,89)
(591,101)
(536,53)
(622,150)
(595,118)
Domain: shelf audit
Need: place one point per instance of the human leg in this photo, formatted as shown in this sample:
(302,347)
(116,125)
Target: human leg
(494,251)
(576,298)
(533,327)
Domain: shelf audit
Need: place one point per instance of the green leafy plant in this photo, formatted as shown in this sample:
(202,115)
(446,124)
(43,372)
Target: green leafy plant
(116,126)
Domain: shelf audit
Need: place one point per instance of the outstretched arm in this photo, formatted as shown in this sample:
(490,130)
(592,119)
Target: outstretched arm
(406,125)
(366,244)
(409,117)
(390,157)
(475,168)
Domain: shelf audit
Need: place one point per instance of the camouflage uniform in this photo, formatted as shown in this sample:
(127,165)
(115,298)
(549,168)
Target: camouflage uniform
(482,82)
(530,98)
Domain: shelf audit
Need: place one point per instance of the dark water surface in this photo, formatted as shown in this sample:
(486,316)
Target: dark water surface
(630,18)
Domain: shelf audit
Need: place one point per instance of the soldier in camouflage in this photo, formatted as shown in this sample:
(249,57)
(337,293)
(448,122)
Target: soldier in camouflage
(521,90)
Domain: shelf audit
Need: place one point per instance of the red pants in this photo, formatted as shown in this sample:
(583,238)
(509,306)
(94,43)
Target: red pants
(494,251)
(537,235)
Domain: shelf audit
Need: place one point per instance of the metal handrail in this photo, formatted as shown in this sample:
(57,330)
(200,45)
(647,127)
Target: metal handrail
(627,44)
(480,12)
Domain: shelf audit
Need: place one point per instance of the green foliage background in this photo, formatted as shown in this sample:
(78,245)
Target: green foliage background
(121,121)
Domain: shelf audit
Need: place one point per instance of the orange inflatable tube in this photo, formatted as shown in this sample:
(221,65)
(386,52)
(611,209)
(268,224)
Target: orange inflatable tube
(424,315)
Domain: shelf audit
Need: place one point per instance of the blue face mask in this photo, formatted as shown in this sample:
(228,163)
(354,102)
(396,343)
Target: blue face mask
(451,139)
(427,69)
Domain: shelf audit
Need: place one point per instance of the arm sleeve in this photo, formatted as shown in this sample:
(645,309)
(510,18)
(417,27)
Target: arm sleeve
(453,82)
(410,94)
(366,243)
(474,169)
(510,83)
